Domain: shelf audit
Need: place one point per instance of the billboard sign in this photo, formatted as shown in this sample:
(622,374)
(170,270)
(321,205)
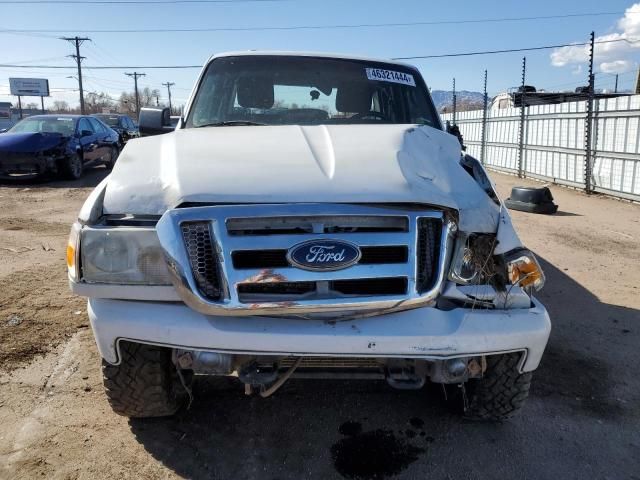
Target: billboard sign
(29,87)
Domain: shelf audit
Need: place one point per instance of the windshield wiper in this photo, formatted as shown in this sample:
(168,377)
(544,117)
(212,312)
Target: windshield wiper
(231,123)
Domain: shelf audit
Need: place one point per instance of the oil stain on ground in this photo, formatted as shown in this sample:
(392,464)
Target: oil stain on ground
(371,455)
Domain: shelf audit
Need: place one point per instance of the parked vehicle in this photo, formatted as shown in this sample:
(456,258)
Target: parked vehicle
(309,217)
(62,144)
(122,124)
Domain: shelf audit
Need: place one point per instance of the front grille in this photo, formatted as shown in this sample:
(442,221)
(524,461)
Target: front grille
(237,255)
(336,288)
(276,288)
(291,225)
(243,259)
(429,231)
(371,286)
(202,257)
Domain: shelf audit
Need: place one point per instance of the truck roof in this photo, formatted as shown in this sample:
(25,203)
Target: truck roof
(286,53)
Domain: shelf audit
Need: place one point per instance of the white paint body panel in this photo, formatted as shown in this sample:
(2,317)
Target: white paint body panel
(421,333)
(293,164)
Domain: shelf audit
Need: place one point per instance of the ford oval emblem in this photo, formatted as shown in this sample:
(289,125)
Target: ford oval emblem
(324,255)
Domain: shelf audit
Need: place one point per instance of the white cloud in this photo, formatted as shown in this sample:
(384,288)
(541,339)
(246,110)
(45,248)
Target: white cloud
(613,56)
(617,66)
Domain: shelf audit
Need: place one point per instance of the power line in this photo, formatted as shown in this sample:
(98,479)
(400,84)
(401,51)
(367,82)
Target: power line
(320,27)
(458,54)
(511,50)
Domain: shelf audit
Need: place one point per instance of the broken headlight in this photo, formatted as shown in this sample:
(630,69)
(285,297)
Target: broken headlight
(472,261)
(524,270)
(127,256)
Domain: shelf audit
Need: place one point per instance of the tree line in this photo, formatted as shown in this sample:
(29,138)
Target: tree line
(99,102)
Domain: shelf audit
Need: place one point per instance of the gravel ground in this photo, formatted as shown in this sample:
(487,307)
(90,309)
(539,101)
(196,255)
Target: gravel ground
(581,421)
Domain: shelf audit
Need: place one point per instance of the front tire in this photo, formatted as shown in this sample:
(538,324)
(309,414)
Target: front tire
(145,383)
(501,391)
(113,156)
(71,167)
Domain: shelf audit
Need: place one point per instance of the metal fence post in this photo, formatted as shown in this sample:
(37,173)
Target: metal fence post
(453,116)
(484,121)
(522,107)
(588,158)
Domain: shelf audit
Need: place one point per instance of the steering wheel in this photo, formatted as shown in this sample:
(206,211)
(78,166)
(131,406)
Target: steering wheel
(363,115)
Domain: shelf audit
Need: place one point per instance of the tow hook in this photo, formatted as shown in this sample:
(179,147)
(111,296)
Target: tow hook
(404,379)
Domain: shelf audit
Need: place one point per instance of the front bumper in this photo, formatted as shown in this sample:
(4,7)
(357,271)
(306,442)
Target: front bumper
(24,165)
(427,333)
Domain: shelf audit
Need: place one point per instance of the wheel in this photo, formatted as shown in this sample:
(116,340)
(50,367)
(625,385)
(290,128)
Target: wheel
(145,384)
(71,167)
(113,156)
(501,391)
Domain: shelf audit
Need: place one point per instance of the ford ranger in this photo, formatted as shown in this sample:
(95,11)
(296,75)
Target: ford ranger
(308,217)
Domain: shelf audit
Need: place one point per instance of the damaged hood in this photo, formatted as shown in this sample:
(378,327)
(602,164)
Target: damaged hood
(27,142)
(298,164)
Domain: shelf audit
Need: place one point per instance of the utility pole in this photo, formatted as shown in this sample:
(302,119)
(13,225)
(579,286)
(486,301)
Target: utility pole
(169,85)
(135,76)
(78,58)
(615,89)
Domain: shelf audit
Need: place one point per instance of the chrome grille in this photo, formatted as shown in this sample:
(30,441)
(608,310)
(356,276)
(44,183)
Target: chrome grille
(278,258)
(402,265)
(428,251)
(202,258)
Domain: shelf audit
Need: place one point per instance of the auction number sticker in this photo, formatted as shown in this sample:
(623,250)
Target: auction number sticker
(390,76)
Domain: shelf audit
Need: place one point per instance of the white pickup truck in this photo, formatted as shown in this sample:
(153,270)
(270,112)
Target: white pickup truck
(308,217)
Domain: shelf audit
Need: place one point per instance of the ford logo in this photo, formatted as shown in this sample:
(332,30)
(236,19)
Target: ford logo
(323,255)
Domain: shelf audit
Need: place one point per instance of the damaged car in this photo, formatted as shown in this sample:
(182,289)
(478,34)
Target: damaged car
(309,217)
(57,144)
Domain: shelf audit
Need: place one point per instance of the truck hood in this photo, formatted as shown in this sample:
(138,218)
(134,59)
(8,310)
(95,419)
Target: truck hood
(298,164)
(25,142)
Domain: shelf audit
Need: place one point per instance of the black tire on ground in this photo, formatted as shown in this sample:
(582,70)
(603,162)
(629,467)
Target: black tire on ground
(71,167)
(145,384)
(501,391)
(113,156)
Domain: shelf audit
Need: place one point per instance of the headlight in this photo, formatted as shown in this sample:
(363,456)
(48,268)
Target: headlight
(72,252)
(472,260)
(122,255)
(524,270)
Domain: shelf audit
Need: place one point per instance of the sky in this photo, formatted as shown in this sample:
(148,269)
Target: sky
(557,69)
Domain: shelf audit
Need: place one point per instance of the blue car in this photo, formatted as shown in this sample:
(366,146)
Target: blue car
(59,144)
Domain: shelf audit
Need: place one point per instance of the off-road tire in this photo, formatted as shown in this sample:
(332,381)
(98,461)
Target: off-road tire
(145,383)
(501,391)
(71,167)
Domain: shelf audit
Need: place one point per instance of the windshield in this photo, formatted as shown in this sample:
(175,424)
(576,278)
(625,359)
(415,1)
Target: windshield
(111,121)
(62,125)
(281,90)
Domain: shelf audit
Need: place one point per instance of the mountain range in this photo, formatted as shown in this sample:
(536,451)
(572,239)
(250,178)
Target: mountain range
(444,98)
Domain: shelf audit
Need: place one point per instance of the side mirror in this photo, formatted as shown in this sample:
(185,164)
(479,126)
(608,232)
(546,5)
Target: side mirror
(455,131)
(154,121)
(86,133)
(2,130)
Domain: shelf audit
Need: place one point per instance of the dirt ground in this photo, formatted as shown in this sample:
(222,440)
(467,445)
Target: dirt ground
(581,421)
